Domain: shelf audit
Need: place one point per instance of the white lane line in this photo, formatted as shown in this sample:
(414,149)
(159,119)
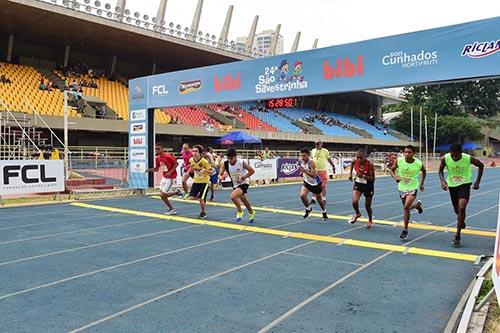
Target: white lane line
(59,221)
(323,259)
(19,214)
(315,296)
(105,269)
(97,245)
(208,278)
(76,231)
(150,219)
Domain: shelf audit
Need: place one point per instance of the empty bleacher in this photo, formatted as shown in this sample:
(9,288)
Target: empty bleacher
(272,118)
(251,122)
(23,93)
(374,131)
(301,113)
(190,115)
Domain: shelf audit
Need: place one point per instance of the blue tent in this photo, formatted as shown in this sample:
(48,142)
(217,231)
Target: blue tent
(465,146)
(237,138)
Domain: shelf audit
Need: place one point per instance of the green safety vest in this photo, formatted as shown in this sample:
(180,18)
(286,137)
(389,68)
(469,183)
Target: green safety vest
(459,172)
(408,172)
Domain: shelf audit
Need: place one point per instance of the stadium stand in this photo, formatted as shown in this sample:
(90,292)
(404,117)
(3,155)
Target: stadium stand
(301,114)
(374,131)
(251,122)
(191,115)
(24,90)
(274,119)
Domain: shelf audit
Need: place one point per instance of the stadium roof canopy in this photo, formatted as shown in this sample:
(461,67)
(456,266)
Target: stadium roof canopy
(56,26)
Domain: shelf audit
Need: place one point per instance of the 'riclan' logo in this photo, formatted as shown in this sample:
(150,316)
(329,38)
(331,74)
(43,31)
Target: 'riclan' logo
(481,49)
(343,68)
(12,171)
(227,83)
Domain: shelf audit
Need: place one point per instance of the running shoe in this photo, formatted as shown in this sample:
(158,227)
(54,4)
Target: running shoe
(456,241)
(354,218)
(186,196)
(171,212)
(252,217)
(420,207)
(404,235)
(325,216)
(202,215)
(239,215)
(307,212)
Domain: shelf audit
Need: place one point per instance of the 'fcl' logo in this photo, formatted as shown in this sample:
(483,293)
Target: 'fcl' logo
(343,68)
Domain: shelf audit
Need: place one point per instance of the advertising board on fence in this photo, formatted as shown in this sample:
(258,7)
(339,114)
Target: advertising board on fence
(264,169)
(288,168)
(31,176)
(495,274)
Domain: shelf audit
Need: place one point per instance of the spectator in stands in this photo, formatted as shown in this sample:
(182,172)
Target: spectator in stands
(54,85)
(266,154)
(42,85)
(4,79)
(93,85)
(74,85)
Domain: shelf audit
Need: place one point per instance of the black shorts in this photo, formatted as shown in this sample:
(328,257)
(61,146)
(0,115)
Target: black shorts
(314,189)
(199,191)
(459,192)
(243,188)
(366,189)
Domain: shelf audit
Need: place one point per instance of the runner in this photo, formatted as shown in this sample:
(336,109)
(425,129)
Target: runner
(186,155)
(364,180)
(201,178)
(321,156)
(167,164)
(459,181)
(312,183)
(408,168)
(239,172)
(214,179)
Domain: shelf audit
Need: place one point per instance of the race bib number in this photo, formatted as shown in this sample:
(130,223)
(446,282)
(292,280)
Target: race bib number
(163,167)
(361,180)
(406,180)
(458,179)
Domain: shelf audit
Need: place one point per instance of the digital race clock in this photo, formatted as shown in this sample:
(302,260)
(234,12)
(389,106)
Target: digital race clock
(289,102)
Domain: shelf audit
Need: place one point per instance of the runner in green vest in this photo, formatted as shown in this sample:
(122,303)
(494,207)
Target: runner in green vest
(459,181)
(406,171)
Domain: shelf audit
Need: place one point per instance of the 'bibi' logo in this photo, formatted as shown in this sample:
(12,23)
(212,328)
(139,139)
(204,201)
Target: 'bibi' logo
(227,83)
(343,68)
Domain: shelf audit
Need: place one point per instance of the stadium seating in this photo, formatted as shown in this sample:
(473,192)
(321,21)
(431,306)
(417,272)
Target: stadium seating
(190,115)
(24,91)
(272,118)
(251,122)
(374,131)
(301,113)
(114,93)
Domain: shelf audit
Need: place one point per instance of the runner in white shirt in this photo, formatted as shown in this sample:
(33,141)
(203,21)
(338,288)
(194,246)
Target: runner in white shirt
(239,171)
(312,183)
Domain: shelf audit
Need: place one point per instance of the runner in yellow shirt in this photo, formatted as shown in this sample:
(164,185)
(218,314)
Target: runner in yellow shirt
(320,157)
(201,180)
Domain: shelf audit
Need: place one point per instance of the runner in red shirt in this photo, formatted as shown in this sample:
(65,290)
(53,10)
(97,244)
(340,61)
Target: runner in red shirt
(167,164)
(363,175)
(186,155)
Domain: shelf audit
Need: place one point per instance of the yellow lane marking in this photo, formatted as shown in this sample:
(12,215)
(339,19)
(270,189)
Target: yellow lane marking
(289,234)
(475,232)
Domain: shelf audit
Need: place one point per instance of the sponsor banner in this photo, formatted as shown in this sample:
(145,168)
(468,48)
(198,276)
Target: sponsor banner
(264,169)
(346,165)
(137,141)
(137,154)
(180,173)
(495,274)
(137,115)
(138,167)
(288,168)
(31,176)
(338,166)
(189,87)
(137,128)
(467,50)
